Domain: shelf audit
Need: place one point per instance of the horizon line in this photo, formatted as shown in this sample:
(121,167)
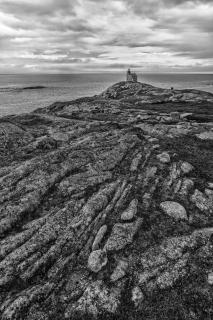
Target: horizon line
(106,72)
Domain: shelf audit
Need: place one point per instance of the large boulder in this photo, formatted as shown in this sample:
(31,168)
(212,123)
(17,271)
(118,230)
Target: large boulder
(174,210)
(97,260)
(186,167)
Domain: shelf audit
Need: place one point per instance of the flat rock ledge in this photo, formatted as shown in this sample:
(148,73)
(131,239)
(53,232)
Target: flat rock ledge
(106,207)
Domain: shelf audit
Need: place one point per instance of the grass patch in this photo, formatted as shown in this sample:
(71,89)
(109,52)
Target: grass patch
(204,108)
(195,151)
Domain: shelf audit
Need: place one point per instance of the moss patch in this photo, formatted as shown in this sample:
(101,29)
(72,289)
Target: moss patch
(193,150)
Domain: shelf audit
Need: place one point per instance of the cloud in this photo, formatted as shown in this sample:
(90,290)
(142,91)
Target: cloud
(93,35)
(36,7)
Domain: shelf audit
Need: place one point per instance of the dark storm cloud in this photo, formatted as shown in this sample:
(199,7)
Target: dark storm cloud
(78,35)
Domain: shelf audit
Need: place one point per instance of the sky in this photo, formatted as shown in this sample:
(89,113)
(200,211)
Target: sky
(77,36)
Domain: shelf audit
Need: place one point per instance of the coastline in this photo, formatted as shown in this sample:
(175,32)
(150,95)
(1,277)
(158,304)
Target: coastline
(69,87)
(106,206)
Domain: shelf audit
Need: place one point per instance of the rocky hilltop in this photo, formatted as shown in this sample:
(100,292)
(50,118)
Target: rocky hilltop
(106,207)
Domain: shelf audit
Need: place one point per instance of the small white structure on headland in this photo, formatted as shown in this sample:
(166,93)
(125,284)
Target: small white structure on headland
(131,76)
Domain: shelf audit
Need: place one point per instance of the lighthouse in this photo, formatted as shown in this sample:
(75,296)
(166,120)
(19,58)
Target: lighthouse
(131,76)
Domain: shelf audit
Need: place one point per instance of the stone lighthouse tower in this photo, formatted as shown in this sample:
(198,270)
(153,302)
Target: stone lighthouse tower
(131,76)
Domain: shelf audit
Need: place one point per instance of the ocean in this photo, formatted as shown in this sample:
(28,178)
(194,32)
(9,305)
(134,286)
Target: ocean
(26,92)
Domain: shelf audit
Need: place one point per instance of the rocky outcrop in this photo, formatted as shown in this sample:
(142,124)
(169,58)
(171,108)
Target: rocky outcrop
(106,207)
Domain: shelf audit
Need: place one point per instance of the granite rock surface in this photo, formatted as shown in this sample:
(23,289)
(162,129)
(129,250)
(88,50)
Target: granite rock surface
(67,174)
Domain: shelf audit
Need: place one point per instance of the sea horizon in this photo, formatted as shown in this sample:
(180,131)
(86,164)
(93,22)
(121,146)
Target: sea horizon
(26,92)
(105,72)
